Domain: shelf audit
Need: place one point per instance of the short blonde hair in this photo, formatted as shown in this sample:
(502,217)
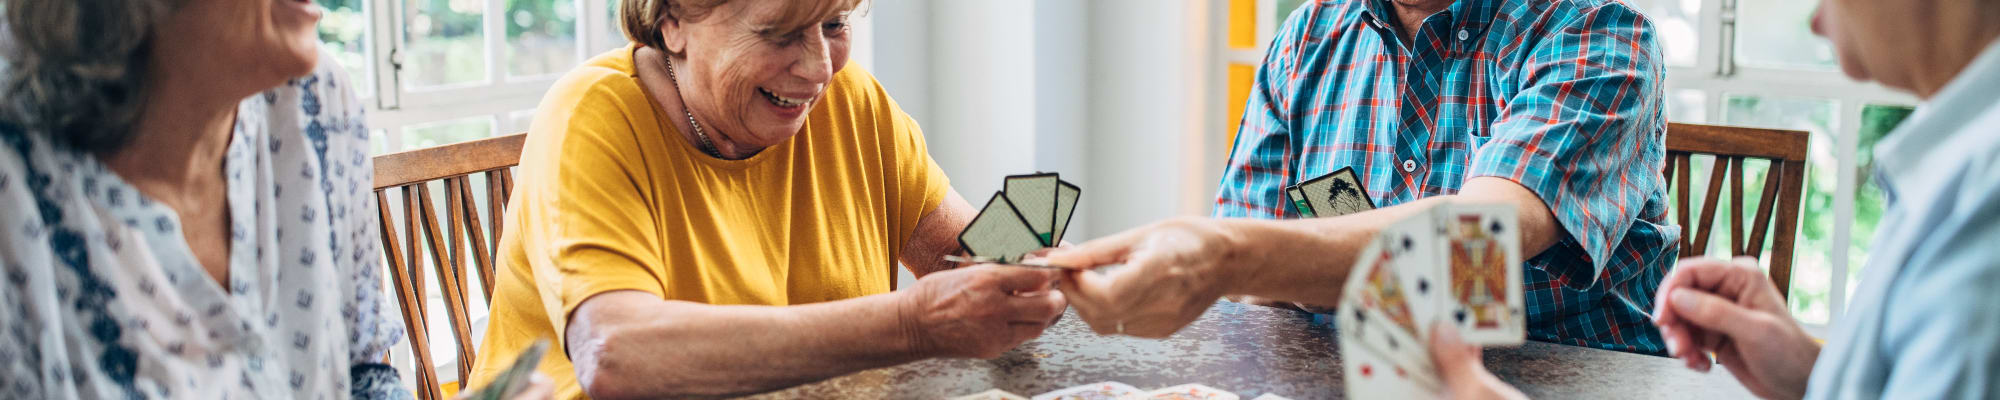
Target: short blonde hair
(642,19)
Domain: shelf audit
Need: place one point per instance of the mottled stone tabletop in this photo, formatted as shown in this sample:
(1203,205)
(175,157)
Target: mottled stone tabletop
(1252,350)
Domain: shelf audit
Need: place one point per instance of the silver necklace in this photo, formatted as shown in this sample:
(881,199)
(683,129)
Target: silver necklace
(705,145)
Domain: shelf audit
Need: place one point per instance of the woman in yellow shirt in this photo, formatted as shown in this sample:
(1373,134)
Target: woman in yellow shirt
(719,209)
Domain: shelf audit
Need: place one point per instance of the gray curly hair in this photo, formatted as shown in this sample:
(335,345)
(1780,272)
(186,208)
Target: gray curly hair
(74,68)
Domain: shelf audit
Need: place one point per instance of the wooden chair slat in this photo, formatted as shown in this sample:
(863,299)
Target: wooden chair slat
(1736,228)
(1681,206)
(1765,207)
(1794,176)
(1718,171)
(482,258)
(411,233)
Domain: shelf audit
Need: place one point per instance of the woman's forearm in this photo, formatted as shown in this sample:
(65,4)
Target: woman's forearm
(632,344)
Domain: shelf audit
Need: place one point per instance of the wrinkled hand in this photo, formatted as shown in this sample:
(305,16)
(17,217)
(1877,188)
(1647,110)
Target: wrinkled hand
(1461,368)
(1173,272)
(981,311)
(1730,309)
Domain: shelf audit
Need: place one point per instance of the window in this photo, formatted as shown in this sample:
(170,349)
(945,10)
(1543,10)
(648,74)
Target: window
(430,66)
(1763,67)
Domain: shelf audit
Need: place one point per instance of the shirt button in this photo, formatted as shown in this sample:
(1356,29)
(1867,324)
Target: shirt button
(1462,34)
(1409,165)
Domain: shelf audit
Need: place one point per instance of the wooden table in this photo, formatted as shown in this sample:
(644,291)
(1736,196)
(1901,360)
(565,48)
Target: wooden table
(1252,350)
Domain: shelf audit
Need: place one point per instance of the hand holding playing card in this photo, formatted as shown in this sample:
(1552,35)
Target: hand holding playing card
(1731,309)
(1173,272)
(981,311)
(1460,367)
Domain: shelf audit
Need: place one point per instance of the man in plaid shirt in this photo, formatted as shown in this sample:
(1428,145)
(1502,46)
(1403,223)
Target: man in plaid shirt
(1553,106)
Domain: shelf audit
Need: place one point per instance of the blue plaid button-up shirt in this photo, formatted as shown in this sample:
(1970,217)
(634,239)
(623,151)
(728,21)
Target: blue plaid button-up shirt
(1563,97)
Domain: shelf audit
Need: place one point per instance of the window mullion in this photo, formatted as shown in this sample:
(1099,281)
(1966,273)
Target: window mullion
(495,20)
(1725,64)
(386,31)
(1847,146)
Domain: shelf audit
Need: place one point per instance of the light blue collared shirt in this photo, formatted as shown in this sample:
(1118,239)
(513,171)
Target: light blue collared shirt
(1925,323)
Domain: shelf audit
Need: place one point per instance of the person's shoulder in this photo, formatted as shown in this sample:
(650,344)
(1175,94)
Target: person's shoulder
(1530,13)
(1315,20)
(612,71)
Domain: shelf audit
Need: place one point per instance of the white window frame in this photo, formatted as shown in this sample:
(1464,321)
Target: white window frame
(497,96)
(1717,75)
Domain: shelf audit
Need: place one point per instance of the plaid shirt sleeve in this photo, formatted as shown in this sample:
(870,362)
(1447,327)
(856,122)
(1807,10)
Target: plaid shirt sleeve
(1259,166)
(1582,122)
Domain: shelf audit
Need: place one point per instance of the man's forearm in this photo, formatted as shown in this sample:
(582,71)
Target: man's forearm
(639,346)
(1307,261)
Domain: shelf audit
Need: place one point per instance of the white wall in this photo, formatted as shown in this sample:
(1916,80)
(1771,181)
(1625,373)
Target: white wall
(1116,95)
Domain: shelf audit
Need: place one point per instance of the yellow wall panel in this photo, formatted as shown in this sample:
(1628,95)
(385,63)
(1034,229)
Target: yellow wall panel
(1241,76)
(1243,24)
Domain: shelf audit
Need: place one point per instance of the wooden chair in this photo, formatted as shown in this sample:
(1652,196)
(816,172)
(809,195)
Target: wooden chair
(1783,185)
(421,238)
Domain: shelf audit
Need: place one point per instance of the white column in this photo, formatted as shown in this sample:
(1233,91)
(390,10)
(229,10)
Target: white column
(982,88)
(1150,111)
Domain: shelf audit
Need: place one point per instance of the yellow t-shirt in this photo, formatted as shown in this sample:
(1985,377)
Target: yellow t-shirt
(610,196)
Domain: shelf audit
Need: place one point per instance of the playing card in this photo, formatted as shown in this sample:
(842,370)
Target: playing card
(999,233)
(1191,391)
(1299,203)
(1412,243)
(1480,246)
(511,381)
(1096,391)
(1336,194)
(1034,198)
(1377,312)
(1066,195)
(1367,375)
(991,394)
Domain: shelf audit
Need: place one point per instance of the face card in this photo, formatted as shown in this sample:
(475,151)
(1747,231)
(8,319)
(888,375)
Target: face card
(1191,391)
(1367,375)
(1377,312)
(1066,196)
(1034,198)
(1336,194)
(1095,391)
(992,394)
(1299,203)
(1481,250)
(999,233)
(1412,243)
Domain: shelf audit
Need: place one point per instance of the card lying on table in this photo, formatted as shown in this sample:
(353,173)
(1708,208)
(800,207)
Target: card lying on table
(1096,391)
(1030,213)
(1459,264)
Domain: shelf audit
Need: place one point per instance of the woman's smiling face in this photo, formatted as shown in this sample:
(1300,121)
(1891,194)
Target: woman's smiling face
(752,69)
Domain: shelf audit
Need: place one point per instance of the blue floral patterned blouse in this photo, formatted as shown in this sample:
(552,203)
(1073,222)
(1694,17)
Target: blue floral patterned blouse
(104,299)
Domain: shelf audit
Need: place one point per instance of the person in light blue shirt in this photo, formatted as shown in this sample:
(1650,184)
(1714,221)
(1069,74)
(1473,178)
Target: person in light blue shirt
(1925,323)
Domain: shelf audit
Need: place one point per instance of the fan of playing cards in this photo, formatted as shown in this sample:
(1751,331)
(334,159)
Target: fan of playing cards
(1030,213)
(1456,263)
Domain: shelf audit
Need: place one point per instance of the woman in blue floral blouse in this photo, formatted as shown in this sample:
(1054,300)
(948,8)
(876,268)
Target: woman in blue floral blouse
(186,204)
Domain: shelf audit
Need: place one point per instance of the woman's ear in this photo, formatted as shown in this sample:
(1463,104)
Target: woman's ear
(673,34)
